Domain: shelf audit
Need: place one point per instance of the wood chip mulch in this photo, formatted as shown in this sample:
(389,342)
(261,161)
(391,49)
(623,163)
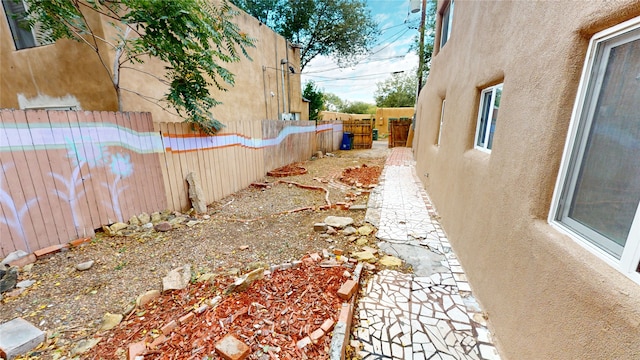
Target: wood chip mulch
(288,170)
(365,175)
(270,317)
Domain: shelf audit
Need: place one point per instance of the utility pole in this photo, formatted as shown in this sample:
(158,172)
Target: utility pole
(421,47)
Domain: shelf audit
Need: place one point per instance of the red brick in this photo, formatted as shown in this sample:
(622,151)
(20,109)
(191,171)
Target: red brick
(158,341)
(347,289)
(49,250)
(29,259)
(231,348)
(316,335)
(169,327)
(136,349)
(327,325)
(338,251)
(78,242)
(302,343)
(345,313)
(185,319)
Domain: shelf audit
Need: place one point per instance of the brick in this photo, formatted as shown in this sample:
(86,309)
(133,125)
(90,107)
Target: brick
(18,336)
(345,315)
(185,319)
(231,348)
(49,250)
(26,260)
(347,289)
(302,343)
(78,242)
(136,349)
(158,341)
(316,335)
(315,257)
(169,327)
(327,325)
(147,297)
(338,251)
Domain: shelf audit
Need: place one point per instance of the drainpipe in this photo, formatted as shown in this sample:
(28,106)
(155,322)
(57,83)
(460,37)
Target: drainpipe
(284,97)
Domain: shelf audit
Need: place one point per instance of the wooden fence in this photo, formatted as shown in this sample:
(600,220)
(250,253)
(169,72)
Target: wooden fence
(362,131)
(64,174)
(398,132)
(328,136)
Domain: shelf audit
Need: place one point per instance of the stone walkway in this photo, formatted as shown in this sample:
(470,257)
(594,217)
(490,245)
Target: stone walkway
(431,313)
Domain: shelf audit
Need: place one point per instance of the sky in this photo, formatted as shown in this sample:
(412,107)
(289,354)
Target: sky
(391,54)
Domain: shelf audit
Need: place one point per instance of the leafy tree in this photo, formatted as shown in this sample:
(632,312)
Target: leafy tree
(343,29)
(193,37)
(316,99)
(332,102)
(429,39)
(399,90)
(358,107)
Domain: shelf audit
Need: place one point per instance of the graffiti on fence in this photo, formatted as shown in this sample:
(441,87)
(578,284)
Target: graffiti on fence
(14,219)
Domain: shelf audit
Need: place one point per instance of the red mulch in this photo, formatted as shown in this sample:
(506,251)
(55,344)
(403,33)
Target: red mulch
(270,317)
(365,175)
(288,170)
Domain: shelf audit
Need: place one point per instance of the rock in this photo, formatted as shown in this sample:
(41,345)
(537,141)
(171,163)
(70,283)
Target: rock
(389,260)
(117,227)
(156,217)
(147,226)
(147,297)
(358,207)
(23,261)
(352,238)
(206,277)
(84,346)
(134,221)
(196,195)
(13,293)
(244,247)
(8,279)
(85,265)
(331,230)
(338,222)
(190,223)
(370,249)
(364,256)
(365,230)
(206,217)
(163,226)
(27,268)
(144,218)
(242,283)
(319,227)
(16,255)
(319,154)
(17,337)
(109,321)
(177,278)
(231,348)
(362,241)
(349,230)
(25,284)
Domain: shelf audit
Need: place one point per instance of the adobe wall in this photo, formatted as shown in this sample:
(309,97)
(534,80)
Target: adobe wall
(383,115)
(545,295)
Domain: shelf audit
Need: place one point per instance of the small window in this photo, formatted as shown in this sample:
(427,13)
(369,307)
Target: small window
(441,123)
(447,19)
(487,115)
(23,36)
(599,187)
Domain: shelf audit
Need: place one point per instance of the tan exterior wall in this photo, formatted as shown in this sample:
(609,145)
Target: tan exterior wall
(333,115)
(383,115)
(545,295)
(69,69)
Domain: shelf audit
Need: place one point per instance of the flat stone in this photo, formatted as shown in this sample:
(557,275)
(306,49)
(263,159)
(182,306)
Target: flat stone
(13,256)
(118,226)
(365,230)
(390,261)
(18,336)
(85,265)
(231,348)
(243,282)
(423,261)
(349,230)
(319,227)
(163,226)
(196,194)
(134,221)
(177,279)
(338,222)
(25,284)
(144,218)
(206,277)
(147,297)
(358,207)
(362,241)
(110,321)
(364,256)
(156,217)
(83,346)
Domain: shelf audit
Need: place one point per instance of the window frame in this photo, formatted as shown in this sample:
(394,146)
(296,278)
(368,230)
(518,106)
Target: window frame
(446,23)
(17,32)
(589,89)
(487,131)
(442,106)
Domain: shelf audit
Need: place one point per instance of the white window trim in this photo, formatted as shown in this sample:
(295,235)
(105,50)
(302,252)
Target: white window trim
(449,21)
(628,262)
(487,130)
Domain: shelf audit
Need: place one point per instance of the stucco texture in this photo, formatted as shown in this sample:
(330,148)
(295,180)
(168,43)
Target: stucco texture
(384,114)
(546,296)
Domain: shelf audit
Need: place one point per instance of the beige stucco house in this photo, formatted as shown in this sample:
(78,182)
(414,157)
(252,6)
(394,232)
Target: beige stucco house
(527,140)
(383,115)
(68,75)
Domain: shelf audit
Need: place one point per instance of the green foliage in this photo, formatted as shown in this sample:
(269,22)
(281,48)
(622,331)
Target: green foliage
(343,29)
(332,102)
(358,107)
(429,38)
(192,37)
(399,90)
(316,99)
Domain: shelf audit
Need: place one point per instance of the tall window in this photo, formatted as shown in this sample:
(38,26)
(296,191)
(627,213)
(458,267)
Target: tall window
(441,122)
(447,19)
(487,116)
(23,36)
(600,180)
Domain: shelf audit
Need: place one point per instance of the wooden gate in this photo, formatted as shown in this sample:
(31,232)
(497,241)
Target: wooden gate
(398,132)
(362,131)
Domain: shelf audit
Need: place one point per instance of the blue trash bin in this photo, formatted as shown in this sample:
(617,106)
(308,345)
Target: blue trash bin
(347,139)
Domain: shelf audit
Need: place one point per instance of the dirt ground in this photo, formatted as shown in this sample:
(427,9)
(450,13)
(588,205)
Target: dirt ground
(69,304)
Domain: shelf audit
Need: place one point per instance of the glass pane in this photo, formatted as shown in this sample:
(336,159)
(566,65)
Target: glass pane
(494,116)
(444,34)
(607,189)
(485,102)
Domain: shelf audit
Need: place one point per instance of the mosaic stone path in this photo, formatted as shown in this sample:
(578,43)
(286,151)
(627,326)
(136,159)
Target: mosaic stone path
(430,314)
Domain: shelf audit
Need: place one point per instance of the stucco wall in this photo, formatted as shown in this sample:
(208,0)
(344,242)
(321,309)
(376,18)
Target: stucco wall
(545,295)
(383,115)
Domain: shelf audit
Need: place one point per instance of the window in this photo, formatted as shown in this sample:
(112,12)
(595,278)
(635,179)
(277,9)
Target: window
(447,18)
(487,115)
(598,190)
(23,36)
(441,122)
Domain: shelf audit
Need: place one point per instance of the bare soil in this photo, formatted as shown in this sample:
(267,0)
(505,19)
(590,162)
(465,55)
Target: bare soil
(246,230)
